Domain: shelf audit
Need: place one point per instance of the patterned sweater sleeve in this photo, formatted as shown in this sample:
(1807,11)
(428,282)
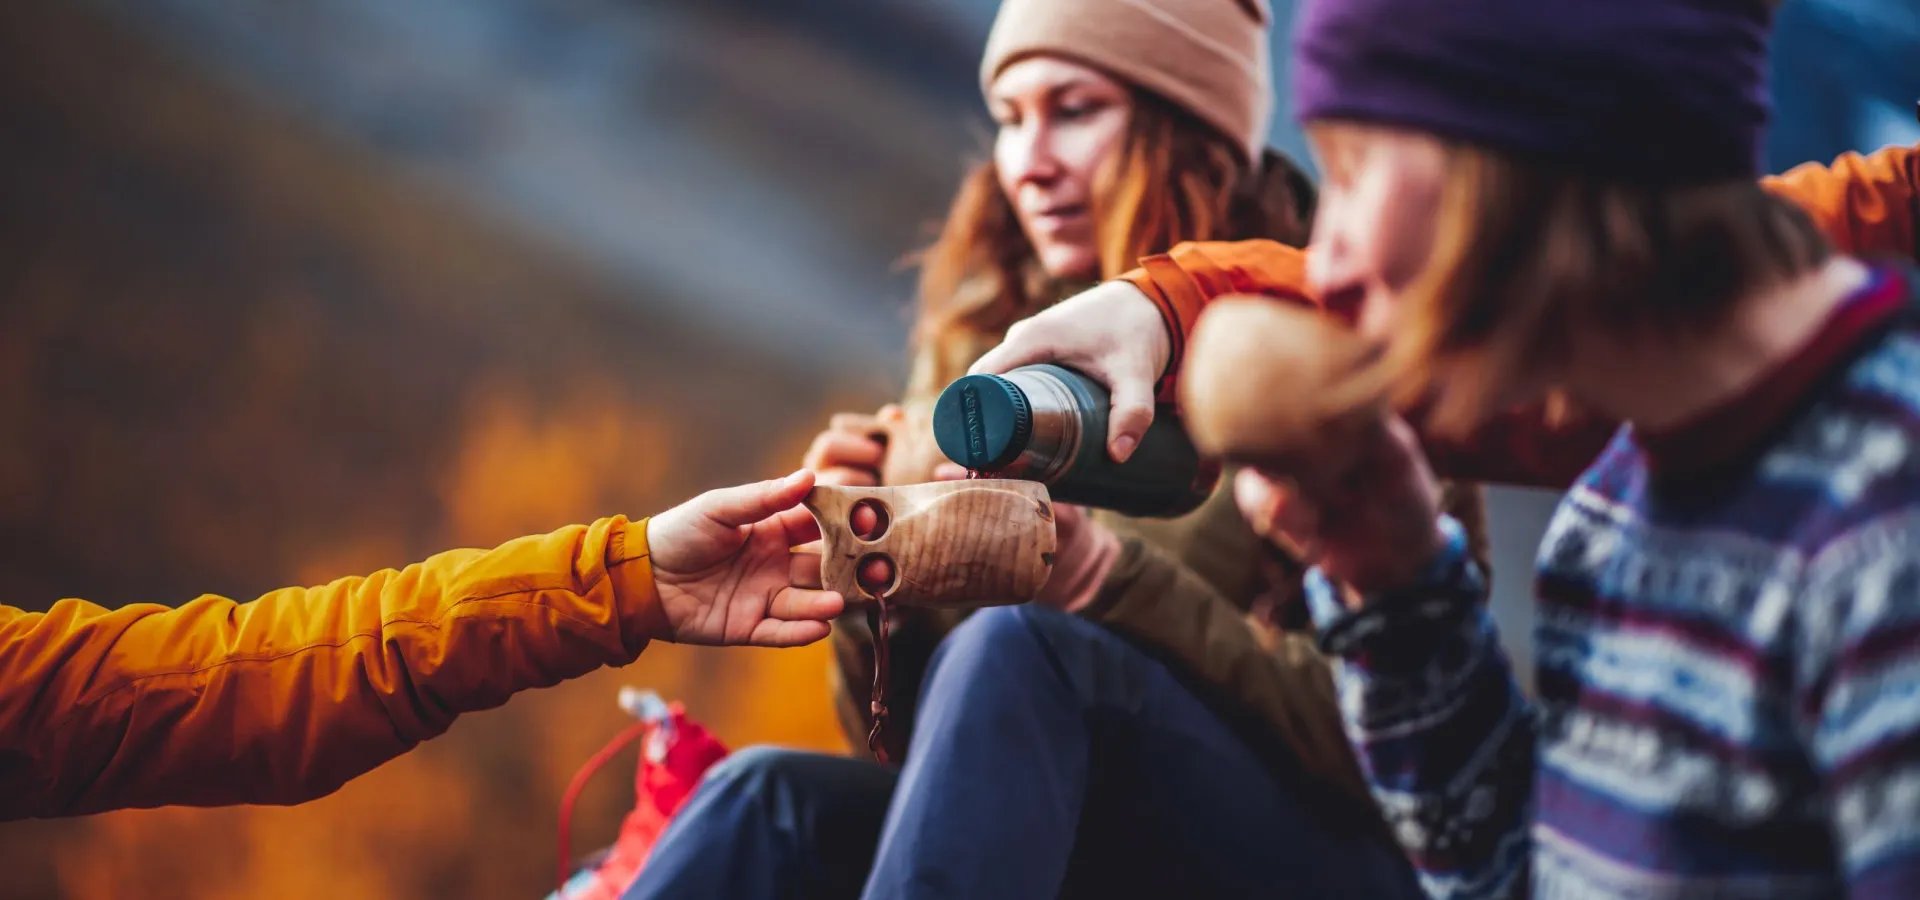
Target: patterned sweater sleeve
(1441,729)
(1858,700)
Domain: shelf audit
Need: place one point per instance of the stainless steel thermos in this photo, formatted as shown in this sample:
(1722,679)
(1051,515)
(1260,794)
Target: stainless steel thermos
(1048,423)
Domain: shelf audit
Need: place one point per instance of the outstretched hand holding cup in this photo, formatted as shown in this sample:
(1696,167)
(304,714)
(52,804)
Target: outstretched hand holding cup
(727,573)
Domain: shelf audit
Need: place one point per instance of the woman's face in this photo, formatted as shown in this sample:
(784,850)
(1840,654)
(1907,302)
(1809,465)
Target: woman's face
(1059,123)
(1373,230)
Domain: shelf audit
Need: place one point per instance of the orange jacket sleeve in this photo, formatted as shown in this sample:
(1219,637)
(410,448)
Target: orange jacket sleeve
(1867,206)
(287,697)
(1184,280)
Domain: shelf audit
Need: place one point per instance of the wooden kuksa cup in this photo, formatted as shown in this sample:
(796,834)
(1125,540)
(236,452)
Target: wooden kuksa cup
(953,544)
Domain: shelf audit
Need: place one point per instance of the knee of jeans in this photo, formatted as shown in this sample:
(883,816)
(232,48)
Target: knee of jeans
(991,629)
(751,769)
(992,635)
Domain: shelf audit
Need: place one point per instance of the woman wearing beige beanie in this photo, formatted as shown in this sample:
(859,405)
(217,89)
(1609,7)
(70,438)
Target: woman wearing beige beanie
(1130,734)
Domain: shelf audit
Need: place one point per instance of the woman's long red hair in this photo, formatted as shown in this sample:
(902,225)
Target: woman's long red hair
(1176,179)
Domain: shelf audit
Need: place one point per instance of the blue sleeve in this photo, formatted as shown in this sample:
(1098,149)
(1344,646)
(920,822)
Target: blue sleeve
(1441,729)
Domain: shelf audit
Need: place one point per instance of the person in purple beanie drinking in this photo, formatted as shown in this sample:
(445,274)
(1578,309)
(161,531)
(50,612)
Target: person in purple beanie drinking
(1528,200)
(1524,199)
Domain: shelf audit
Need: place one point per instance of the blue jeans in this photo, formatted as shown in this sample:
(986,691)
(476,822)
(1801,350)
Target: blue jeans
(769,822)
(1051,758)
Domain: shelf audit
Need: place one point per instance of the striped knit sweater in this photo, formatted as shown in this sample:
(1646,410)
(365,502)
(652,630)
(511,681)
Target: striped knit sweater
(1728,657)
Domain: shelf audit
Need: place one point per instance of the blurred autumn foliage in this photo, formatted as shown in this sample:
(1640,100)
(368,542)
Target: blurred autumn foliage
(235,354)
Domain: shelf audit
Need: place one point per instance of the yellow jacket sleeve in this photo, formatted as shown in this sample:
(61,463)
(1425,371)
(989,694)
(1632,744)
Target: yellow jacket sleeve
(286,698)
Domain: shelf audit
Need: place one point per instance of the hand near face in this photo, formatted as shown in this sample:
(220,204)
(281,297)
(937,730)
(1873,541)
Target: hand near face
(1372,525)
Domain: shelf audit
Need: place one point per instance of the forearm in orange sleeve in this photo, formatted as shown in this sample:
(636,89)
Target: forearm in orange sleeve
(1185,279)
(286,698)
(1522,447)
(1867,205)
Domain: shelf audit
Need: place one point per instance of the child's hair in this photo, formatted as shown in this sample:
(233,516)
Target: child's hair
(1526,257)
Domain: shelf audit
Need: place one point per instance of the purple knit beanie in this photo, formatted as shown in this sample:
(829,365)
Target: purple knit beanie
(1659,92)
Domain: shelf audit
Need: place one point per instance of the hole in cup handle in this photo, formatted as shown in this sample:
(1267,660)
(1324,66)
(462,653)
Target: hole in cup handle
(869,587)
(882,520)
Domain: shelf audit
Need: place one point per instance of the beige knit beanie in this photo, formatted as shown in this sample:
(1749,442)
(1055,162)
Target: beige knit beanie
(1208,56)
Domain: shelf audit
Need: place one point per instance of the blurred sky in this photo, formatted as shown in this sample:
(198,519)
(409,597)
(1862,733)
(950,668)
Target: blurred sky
(756,160)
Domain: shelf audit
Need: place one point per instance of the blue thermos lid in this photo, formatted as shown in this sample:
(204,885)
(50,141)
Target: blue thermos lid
(982,422)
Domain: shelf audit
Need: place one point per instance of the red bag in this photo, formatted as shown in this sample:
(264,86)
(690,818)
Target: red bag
(676,753)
